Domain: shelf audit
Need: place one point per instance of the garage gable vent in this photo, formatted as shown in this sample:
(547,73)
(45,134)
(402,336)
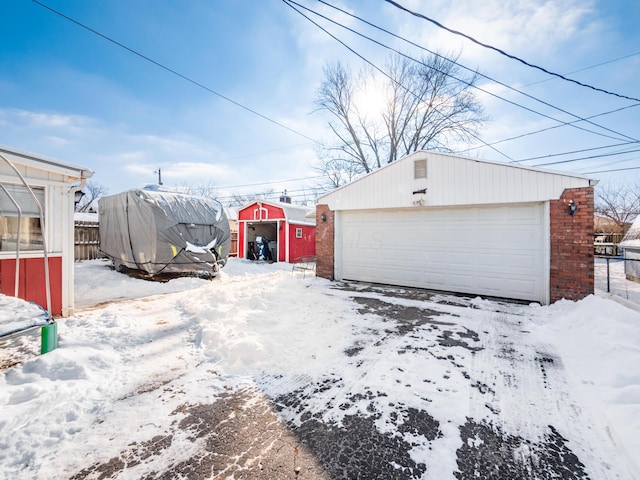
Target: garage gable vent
(420,168)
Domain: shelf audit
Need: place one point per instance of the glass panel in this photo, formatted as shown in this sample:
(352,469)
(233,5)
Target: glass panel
(24,199)
(30,234)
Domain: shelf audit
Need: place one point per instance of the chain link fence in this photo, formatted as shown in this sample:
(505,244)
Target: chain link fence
(610,277)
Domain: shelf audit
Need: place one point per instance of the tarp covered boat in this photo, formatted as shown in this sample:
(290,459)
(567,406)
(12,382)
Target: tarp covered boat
(156,232)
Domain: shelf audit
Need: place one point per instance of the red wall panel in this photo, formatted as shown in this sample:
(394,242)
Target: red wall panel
(31,284)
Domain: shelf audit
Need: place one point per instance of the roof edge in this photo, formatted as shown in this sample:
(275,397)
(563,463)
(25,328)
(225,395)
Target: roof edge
(592,181)
(83,172)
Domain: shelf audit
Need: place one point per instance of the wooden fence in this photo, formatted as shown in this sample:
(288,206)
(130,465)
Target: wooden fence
(233,249)
(86,240)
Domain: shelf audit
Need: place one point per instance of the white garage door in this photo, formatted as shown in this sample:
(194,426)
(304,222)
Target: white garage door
(493,251)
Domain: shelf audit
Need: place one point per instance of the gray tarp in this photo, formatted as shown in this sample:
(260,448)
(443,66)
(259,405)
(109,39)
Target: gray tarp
(164,232)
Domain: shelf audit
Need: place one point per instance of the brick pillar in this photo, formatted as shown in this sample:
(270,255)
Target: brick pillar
(571,274)
(325,235)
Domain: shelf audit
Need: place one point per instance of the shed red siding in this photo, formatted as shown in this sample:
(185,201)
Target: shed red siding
(300,247)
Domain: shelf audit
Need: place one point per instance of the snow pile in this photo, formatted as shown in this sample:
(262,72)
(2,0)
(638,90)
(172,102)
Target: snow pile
(96,284)
(257,323)
(16,314)
(599,343)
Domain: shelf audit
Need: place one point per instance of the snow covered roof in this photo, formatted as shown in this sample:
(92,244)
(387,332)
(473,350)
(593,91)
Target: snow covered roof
(86,217)
(632,238)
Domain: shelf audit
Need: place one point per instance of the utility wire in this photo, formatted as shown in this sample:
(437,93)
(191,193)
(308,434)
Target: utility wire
(174,72)
(475,72)
(546,129)
(613,170)
(608,164)
(562,123)
(289,3)
(573,151)
(586,68)
(502,52)
(271,183)
(586,158)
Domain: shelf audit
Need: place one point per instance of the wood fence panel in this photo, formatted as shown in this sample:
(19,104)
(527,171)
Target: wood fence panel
(86,241)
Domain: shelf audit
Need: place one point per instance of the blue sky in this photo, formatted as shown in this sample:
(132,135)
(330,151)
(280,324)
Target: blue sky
(70,94)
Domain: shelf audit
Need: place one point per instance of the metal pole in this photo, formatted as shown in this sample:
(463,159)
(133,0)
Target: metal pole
(44,233)
(608,280)
(13,200)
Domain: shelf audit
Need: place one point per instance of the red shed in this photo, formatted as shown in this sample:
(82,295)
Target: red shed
(292,233)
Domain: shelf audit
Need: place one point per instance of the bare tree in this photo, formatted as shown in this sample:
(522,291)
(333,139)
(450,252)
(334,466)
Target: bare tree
(337,171)
(92,193)
(238,200)
(426,105)
(208,190)
(619,203)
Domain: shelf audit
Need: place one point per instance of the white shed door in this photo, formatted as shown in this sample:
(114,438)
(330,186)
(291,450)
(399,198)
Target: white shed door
(493,251)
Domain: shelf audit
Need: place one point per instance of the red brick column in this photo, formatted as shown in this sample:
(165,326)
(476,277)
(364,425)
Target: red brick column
(571,274)
(325,235)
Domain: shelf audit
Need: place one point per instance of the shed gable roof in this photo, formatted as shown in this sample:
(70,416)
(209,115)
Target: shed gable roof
(293,213)
(451,180)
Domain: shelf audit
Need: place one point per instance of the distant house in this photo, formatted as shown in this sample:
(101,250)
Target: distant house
(464,225)
(607,235)
(292,233)
(631,246)
(37,197)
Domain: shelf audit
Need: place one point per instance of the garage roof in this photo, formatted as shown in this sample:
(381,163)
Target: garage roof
(449,180)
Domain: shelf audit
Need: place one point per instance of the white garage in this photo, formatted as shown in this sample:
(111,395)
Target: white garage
(449,223)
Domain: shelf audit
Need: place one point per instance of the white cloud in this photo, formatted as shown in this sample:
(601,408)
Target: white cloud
(532,29)
(124,158)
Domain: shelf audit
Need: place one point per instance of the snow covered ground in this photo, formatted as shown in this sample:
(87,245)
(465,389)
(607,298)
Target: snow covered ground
(184,380)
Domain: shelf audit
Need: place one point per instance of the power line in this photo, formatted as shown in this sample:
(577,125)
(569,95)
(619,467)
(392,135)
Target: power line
(613,170)
(608,164)
(562,123)
(475,72)
(573,151)
(272,183)
(548,128)
(174,72)
(586,158)
(502,52)
(587,68)
(289,3)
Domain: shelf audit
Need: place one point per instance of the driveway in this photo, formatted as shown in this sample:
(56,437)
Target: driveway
(506,381)
(267,376)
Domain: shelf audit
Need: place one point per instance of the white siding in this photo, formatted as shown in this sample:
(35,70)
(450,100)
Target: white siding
(451,181)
